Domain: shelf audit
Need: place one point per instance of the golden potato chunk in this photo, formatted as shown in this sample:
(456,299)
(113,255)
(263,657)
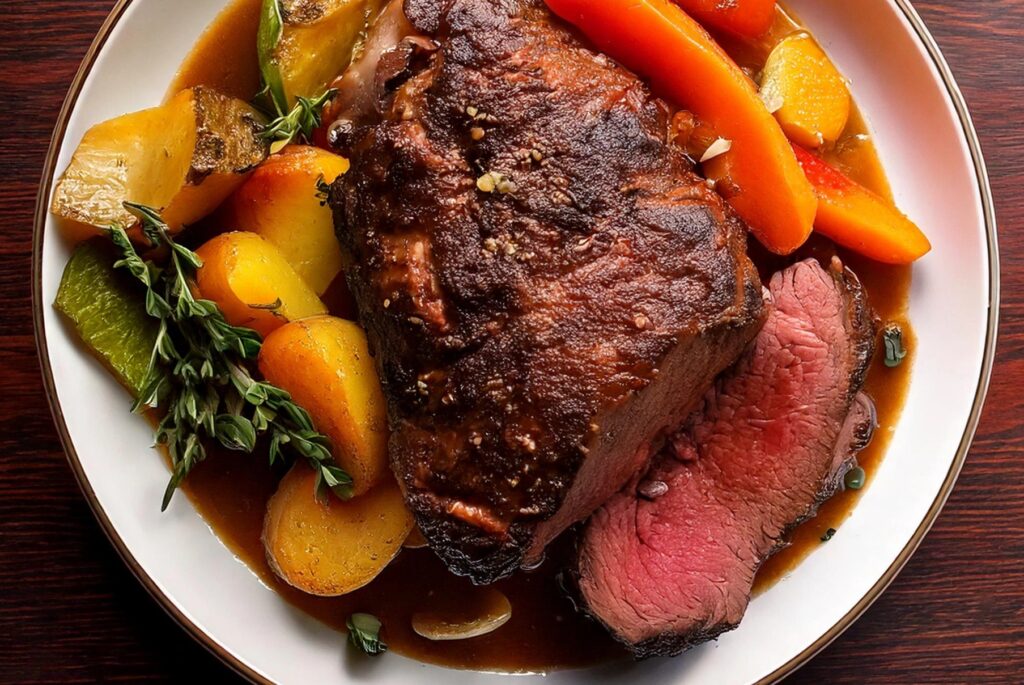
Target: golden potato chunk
(810,97)
(279,201)
(253,284)
(182,158)
(318,40)
(328,547)
(325,364)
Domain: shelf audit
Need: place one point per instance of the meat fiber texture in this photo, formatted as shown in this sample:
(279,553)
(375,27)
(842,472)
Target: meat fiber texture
(547,287)
(670,562)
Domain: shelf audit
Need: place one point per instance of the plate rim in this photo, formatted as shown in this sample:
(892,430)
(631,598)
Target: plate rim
(786,669)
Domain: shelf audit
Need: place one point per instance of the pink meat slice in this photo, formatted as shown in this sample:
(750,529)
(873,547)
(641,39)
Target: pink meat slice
(670,562)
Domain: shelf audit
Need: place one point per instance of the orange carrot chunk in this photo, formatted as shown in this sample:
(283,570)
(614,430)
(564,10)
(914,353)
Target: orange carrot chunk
(744,18)
(759,174)
(859,219)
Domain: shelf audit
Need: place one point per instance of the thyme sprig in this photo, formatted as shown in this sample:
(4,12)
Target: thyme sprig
(299,123)
(198,373)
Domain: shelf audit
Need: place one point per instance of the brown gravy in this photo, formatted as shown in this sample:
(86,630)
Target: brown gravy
(231,491)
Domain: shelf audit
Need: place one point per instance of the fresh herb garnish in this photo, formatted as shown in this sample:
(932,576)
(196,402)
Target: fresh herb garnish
(855,478)
(364,634)
(269,307)
(272,98)
(288,122)
(305,116)
(895,353)
(829,534)
(197,371)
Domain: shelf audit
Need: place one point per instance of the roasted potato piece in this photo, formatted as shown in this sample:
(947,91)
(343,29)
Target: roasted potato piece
(183,158)
(318,40)
(253,284)
(328,547)
(279,202)
(325,364)
(808,94)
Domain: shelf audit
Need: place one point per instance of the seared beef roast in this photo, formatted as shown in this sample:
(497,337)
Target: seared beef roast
(670,561)
(547,287)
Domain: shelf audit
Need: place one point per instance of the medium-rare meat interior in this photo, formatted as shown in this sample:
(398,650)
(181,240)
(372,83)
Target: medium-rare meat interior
(670,561)
(547,286)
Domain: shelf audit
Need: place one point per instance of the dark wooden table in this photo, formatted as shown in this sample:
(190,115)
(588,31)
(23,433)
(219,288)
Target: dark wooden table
(71,612)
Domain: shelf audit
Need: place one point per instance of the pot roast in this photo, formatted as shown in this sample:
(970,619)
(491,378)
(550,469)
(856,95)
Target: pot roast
(670,561)
(547,287)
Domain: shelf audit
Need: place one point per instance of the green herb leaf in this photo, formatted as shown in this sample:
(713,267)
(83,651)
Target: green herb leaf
(235,432)
(364,634)
(269,307)
(197,370)
(895,353)
(297,124)
(272,98)
(829,534)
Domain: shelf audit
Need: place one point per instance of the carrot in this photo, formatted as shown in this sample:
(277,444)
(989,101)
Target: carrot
(744,18)
(759,174)
(859,219)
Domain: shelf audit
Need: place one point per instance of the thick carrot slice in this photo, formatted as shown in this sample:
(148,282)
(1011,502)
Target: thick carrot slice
(759,174)
(857,218)
(744,18)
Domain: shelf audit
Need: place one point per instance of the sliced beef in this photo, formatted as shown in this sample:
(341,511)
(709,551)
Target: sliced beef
(670,562)
(547,287)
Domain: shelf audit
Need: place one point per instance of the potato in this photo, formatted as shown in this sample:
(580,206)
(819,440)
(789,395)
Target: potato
(325,364)
(247,276)
(318,41)
(279,201)
(811,96)
(183,158)
(328,547)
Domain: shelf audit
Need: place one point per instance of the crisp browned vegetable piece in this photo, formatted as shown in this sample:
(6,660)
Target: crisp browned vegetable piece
(182,158)
(328,547)
(318,41)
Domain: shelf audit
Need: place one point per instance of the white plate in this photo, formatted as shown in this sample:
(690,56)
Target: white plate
(932,156)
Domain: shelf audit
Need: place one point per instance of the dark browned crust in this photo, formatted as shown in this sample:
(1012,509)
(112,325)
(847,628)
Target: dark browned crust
(297,12)
(488,310)
(228,139)
(863,326)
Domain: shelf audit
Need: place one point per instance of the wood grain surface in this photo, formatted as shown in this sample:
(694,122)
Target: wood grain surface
(71,612)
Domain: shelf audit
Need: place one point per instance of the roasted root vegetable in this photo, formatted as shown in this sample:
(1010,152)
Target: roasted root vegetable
(280,202)
(325,365)
(759,174)
(328,547)
(107,309)
(808,94)
(305,44)
(853,216)
(744,18)
(183,157)
(253,284)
